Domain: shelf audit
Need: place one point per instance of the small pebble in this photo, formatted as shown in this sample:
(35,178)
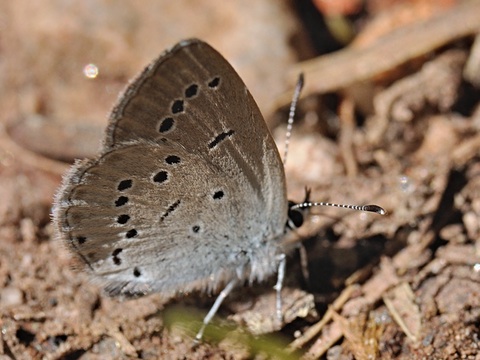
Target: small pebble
(11,296)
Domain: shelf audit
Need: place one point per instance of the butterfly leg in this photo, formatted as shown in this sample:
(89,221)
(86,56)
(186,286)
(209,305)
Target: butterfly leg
(223,294)
(282,261)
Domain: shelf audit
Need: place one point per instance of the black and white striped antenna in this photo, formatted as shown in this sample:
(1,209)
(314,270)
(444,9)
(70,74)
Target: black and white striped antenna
(307,204)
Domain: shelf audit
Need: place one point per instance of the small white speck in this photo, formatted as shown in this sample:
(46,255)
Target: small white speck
(476,267)
(405,183)
(90,71)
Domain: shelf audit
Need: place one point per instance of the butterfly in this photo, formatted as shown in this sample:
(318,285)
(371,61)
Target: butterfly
(188,192)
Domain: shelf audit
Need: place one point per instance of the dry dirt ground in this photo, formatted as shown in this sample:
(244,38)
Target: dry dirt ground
(393,118)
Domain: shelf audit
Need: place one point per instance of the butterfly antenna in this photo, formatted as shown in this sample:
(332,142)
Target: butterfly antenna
(291,114)
(369,208)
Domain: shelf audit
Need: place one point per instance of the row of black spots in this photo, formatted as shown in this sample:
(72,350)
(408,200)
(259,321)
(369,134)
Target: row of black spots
(123,186)
(122,200)
(121,219)
(178,105)
(161,177)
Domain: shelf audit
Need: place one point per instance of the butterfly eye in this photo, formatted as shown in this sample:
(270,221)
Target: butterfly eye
(295,217)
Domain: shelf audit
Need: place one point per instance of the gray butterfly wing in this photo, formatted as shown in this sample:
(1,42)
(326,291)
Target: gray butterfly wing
(189,190)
